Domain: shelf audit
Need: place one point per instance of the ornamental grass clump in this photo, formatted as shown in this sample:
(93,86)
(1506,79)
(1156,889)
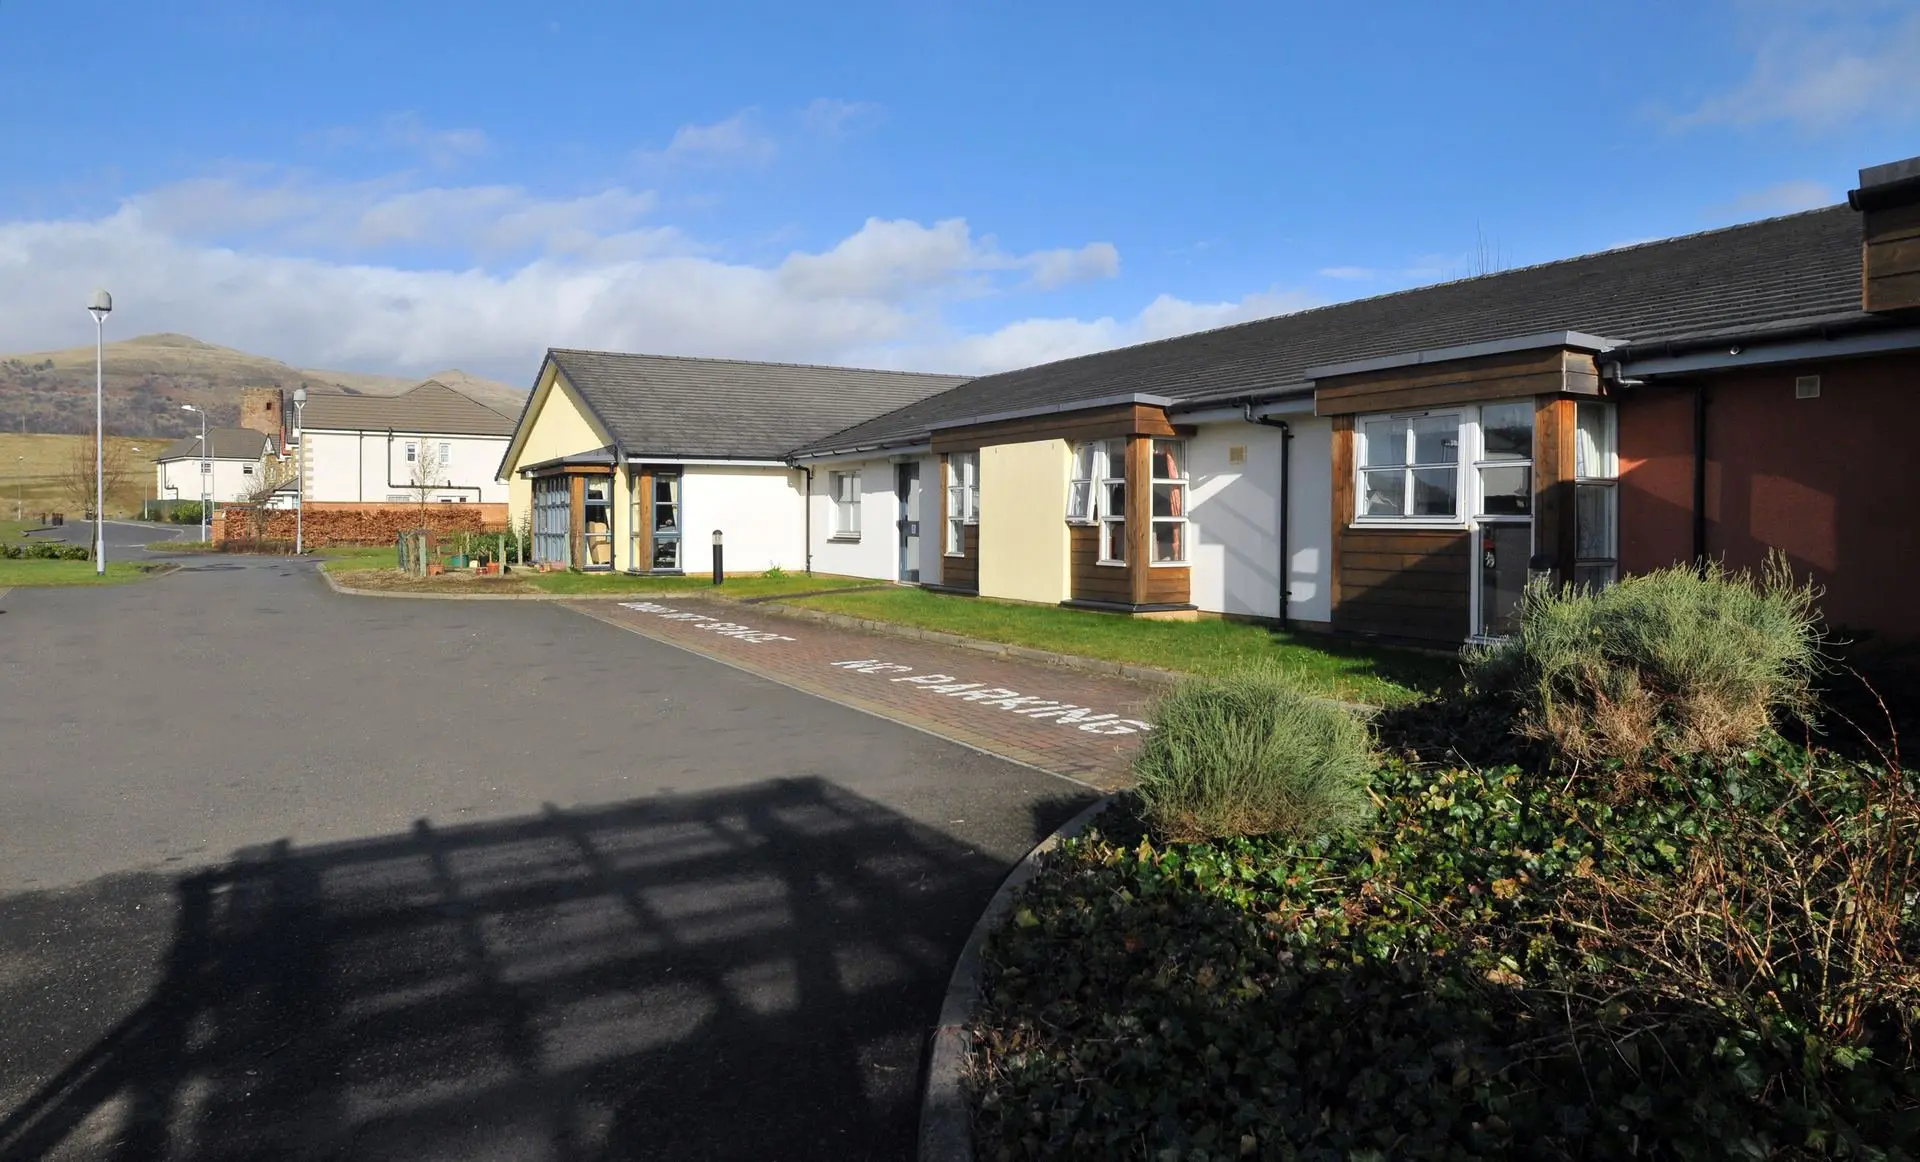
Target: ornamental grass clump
(1672,663)
(1252,754)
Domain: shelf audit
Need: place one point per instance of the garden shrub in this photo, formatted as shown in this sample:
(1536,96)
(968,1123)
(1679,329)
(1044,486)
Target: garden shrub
(1675,662)
(1249,754)
(1501,964)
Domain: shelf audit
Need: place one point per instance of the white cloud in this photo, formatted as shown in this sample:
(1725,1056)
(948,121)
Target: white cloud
(1785,198)
(830,116)
(1819,66)
(295,271)
(738,140)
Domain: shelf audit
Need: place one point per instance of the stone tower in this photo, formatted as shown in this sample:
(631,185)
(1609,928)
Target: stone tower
(262,409)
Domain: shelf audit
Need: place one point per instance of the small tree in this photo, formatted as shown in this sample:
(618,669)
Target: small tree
(268,476)
(76,480)
(429,473)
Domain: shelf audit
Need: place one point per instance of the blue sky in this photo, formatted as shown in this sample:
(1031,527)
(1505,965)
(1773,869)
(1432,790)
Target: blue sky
(927,184)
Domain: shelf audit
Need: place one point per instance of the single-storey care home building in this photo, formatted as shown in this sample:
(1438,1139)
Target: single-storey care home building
(233,463)
(1398,466)
(633,461)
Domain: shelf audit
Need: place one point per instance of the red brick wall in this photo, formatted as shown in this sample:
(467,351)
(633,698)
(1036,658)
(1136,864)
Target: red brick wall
(1828,481)
(352,525)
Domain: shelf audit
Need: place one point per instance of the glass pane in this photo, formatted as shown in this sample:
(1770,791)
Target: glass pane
(973,502)
(1113,500)
(1593,520)
(1113,540)
(1386,443)
(1436,440)
(1169,500)
(1433,492)
(1506,431)
(1383,493)
(1116,458)
(1506,491)
(1593,576)
(1079,500)
(1593,454)
(956,501)
(1083,457)
(666,554)
(1169,460)
(1169,540)
(1504,552)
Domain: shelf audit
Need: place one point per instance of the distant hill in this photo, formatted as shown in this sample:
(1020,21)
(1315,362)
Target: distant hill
(148,378)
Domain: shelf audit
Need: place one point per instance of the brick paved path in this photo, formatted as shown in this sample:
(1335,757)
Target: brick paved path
(1082,726)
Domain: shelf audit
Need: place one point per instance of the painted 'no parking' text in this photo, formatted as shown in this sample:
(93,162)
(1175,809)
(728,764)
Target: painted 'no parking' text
(1001,698)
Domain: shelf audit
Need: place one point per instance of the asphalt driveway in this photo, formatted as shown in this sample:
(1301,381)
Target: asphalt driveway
(284,873)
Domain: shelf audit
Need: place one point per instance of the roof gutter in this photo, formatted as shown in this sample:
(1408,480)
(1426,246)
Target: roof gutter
(1054,409)
(1831,337)
(862,452)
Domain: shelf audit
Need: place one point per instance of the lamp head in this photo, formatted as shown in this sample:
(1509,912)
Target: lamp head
(299,397)
(101,304)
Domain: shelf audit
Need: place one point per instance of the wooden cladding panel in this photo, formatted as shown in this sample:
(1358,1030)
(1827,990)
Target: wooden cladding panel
(576,520)
(1092,424)
(1409,583)
(1139,516)
(1167,584)
(1555,428)
(1092,581)
(1890,258)
(963,572)
(643,543)
(1342,455)
(1426,385)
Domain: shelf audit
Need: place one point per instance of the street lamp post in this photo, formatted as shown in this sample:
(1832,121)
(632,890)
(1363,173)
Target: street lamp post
(300,492)
(206,470)
(100,306)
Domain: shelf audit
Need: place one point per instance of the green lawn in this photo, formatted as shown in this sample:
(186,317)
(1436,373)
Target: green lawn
(10,530)
(591,584)
(1335,667)
(24,574)
(356,558)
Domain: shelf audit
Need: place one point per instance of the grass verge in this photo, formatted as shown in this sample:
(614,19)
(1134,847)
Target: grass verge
(735,588)
(1340,669)
(38,574)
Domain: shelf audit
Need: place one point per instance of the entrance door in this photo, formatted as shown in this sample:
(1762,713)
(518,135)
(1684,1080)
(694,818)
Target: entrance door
(1505,550)
(907,488)
(1503,540)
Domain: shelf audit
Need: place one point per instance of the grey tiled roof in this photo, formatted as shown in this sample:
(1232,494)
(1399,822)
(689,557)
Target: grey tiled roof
(227,444)
(430,409)
(1800,266)
(660,405)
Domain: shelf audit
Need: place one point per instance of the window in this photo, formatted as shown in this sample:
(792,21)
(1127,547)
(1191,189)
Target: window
(413,452)
(597,522)
(666,523)
(446,453)
(844,489)
(246,470)
(1112,501)
(1080,486)
(1169,465)
(1408,468)
(1596,470)
(552,502)
(1505,466)
(963,499)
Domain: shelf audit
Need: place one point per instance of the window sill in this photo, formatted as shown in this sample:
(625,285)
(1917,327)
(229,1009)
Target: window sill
(844,539)
(1436,525)
(1170,564)
(1112,564)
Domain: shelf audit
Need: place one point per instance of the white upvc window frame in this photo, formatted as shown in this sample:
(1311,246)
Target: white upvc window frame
(1465,431)
(1178,491)
(1473,499)
(963,499)
(843,498)
(1111,524)
(1597,474)
(413,451)
(1081,480)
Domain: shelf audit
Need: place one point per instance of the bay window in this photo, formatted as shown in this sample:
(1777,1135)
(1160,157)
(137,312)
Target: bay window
(552,519)
(1080,505)
(1596,471)
(1111,499)
(1409,468)
(665,523)
(597,522)
(963,499)
(1169,496)
(844,489)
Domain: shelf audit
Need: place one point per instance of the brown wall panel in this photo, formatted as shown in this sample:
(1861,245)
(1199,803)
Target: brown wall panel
(1093,581)
(1168,585)
(1425,597)
(1505,376)
(963,572)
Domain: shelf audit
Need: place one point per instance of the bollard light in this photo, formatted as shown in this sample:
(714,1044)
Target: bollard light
(719,559)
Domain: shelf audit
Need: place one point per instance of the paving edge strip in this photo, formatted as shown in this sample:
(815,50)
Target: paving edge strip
(946,1112)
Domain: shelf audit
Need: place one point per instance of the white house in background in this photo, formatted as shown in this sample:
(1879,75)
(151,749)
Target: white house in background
(239,457)
(379,449)
(633,462)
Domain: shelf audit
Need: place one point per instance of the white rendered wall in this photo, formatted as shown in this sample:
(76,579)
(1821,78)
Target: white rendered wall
(367,466)
(876,554)
(180,480)
(1235,517)
(760,510)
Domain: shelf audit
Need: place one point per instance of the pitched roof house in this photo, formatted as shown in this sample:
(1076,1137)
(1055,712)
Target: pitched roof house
(227,472)
(615,455)
(378,449)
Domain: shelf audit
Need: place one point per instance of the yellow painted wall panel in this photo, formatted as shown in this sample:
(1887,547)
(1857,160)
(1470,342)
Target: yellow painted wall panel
(560,426)
(1025,547)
